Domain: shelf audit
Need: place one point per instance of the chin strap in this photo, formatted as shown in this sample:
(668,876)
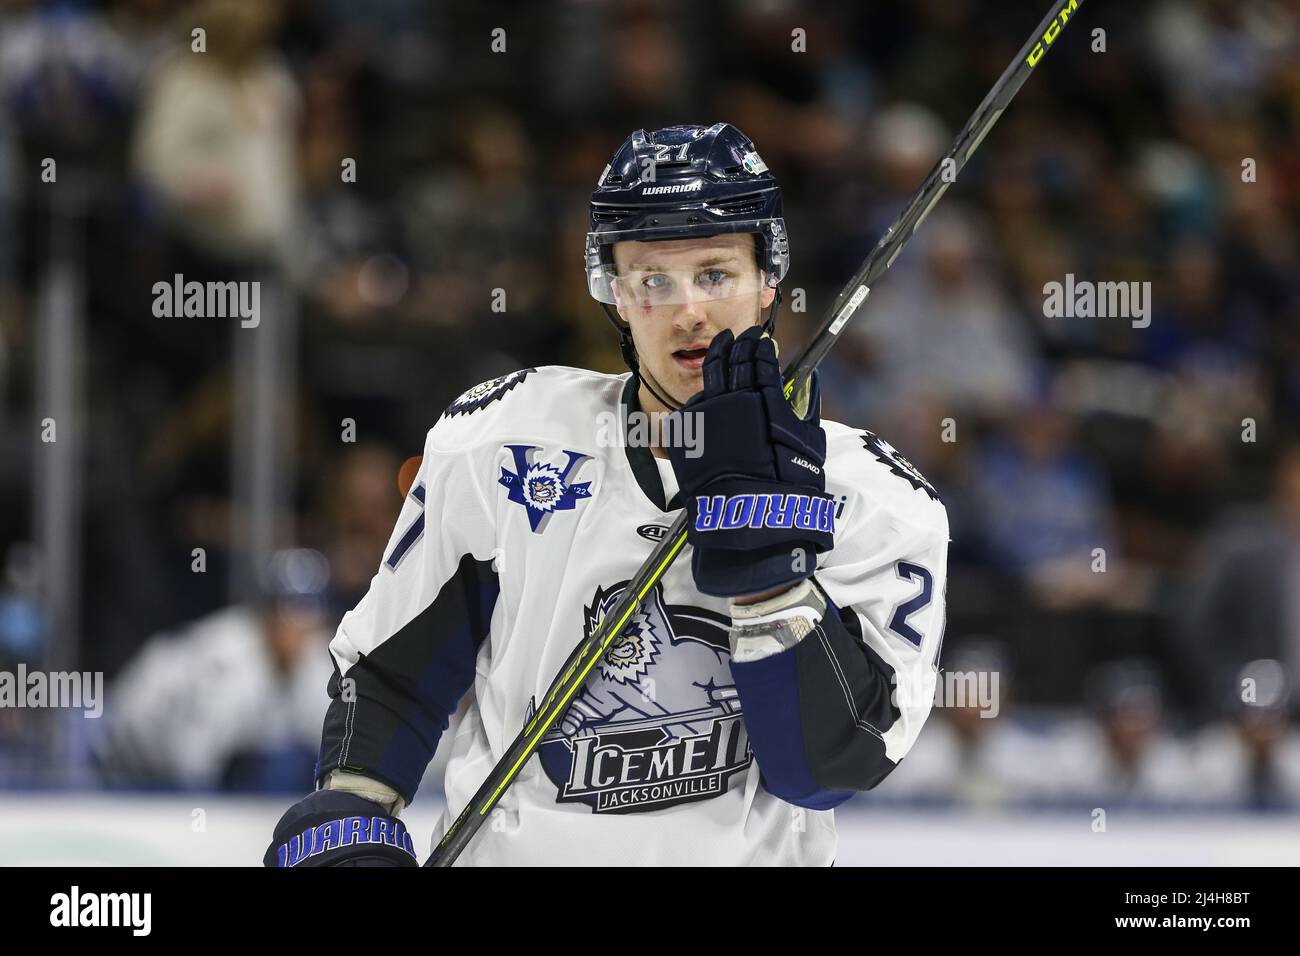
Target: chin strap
(628,348)
(668,402)
(770,325)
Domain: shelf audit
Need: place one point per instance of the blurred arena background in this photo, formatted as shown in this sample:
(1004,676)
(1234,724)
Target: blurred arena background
(191,503)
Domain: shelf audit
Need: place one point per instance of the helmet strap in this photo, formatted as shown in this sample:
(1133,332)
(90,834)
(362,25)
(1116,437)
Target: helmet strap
(667,402)
(628,348)
(770,325)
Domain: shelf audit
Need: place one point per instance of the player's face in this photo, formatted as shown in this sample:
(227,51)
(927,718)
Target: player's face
(679,293)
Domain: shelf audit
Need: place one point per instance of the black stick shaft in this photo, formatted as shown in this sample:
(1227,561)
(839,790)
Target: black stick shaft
(847,305)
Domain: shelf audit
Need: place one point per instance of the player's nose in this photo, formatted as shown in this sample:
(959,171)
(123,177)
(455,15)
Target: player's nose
(691,316)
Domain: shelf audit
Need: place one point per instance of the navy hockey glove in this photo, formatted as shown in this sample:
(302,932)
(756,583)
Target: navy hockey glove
(756,491)
(335,828)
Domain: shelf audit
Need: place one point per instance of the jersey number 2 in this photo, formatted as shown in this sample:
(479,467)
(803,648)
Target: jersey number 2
(908,571)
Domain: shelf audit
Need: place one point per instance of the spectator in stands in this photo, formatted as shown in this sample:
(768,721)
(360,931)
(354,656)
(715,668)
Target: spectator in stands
(1253,760)
(216,139)
(1243,601)
(1122,752)
(975,750)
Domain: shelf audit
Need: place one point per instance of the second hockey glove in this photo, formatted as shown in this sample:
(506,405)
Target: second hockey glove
(336,828)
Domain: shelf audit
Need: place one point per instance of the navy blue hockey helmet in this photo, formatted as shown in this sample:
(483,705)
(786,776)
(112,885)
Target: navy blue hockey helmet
(682,182)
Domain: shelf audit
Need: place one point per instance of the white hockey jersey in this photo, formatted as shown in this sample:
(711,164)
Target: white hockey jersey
(529,514)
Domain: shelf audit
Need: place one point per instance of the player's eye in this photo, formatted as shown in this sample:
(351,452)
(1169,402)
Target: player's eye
(656,282)
(716,282)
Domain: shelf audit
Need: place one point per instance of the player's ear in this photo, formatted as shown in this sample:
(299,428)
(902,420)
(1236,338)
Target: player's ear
(618,301)
(768,294)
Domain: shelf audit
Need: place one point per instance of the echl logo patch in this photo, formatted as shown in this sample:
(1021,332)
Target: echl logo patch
(543,488)
(485,393)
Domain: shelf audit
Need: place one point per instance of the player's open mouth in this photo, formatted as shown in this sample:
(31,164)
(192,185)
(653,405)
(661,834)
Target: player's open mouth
(692,359)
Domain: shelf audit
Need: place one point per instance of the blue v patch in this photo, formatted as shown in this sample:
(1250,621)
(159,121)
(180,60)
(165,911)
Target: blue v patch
(543,488)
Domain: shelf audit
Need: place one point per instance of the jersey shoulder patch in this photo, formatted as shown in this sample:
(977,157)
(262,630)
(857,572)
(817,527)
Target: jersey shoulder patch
(485,393)
(870,477)
(892,458)
(546,405)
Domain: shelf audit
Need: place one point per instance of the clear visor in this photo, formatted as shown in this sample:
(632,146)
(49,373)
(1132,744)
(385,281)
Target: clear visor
(652,286)
(647,272)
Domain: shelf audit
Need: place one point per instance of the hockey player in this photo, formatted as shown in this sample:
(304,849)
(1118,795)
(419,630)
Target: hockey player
(788,664)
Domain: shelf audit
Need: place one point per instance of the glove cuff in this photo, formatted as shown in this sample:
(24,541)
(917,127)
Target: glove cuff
(728,573)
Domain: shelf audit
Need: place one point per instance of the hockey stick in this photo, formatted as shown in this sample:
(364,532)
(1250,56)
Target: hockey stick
(846,306)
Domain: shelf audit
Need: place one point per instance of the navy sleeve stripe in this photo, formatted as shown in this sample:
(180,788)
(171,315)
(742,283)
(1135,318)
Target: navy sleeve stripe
(770,698)
(402,693)
(846,693)
(844,684)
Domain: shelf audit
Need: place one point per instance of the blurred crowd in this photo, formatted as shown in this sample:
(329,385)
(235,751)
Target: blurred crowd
(1124,498)
(982,749)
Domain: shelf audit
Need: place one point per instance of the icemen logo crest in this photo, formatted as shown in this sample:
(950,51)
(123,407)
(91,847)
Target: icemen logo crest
(541,487)
(888,455)
(485,393)
(659,722)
